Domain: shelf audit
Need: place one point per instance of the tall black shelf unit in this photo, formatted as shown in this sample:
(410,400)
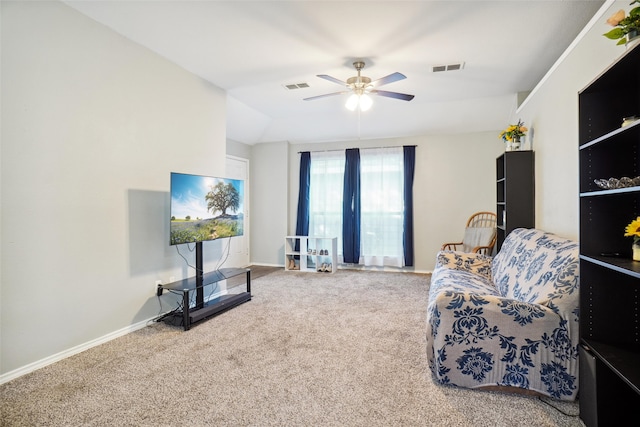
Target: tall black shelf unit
(515,197)
(609,279)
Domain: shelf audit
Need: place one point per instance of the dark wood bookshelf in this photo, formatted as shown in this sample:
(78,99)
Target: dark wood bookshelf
(515,196)
(609,278)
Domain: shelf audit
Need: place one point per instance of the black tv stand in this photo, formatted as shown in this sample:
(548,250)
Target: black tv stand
(201,310)
(189,315)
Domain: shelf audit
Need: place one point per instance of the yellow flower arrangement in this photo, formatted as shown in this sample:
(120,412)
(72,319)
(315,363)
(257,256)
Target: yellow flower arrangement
(624,24)
(514,132)
(633,230)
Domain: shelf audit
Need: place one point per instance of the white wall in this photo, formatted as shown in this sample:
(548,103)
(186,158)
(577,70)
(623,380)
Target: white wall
(238,149)
(269,200)
(92,124)
(552,113)
(454,177)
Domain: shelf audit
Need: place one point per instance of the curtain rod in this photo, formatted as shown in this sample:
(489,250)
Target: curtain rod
(342,149)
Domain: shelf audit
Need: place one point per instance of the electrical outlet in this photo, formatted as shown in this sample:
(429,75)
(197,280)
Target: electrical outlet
(158,287)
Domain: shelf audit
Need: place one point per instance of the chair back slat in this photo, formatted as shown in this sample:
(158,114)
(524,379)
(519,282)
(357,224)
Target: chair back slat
(482,220)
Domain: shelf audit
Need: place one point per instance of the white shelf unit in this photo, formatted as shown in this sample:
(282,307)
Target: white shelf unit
(313,254)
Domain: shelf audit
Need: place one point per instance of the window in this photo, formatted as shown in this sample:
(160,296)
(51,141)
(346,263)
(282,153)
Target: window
(325,195)
(382,218)
(381,186)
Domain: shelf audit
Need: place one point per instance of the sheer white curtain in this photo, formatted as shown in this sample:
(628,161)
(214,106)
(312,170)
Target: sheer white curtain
(381,186)
(325,195)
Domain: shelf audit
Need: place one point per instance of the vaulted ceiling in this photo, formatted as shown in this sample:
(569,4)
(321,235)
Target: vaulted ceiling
(254,49)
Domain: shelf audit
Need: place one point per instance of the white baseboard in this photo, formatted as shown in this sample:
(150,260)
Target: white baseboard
(262,264)
(4,378)
(358,267)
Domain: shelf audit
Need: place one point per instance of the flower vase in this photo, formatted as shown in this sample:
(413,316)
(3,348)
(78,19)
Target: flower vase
(513,145)
(636,251)
(632,38)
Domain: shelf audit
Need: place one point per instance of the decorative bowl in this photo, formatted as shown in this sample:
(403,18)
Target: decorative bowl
(613,183)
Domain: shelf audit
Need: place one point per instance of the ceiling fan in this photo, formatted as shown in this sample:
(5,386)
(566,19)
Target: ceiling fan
(361,86)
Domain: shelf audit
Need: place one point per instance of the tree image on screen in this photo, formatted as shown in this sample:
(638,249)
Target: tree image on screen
(205,208)
(222,197)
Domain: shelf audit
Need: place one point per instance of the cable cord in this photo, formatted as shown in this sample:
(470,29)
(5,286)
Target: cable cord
(221,261)
(185,259)
(162,315)
(541,399)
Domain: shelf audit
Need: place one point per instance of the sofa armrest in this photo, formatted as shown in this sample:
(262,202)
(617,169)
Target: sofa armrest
(473,317)
(471,262)
(476,339)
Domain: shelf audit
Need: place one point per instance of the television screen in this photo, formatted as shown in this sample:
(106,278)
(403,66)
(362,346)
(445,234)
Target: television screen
(205,208)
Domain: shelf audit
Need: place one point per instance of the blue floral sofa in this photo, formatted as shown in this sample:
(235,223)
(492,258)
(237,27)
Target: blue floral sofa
(509,322)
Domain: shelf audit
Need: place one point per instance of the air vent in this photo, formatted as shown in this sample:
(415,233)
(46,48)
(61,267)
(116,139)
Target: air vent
(450,67)
(296,86)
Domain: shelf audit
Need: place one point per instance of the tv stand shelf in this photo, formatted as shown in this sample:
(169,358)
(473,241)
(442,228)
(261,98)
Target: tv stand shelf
(202,310)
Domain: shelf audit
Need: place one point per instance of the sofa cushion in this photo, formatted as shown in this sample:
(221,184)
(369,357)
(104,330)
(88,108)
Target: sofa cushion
(536,267)
(466,272)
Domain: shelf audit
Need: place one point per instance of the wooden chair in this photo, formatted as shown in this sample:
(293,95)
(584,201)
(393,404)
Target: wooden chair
(479,235)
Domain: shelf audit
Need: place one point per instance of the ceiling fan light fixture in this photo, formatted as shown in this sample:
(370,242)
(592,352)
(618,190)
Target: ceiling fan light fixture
(361,101)
(365,102)
(352,102)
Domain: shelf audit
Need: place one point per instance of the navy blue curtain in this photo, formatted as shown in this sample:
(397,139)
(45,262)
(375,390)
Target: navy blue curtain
(409,168)
(302,223)
(351,207)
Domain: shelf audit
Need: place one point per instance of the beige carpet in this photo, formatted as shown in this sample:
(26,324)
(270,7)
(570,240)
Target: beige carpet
(309,349)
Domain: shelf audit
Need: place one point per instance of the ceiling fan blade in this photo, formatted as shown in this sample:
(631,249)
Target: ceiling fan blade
(325,95)
(388,79)
(396,95)
(332,79)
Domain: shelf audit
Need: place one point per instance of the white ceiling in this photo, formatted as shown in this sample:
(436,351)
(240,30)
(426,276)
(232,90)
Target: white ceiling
(251,49)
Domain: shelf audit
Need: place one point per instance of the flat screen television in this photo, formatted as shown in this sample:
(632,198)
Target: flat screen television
(205,208)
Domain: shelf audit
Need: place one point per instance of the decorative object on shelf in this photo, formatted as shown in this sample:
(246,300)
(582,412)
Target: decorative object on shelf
(293,265)
(631,36)
(628,120)
(633,230)
(513,136)
(325,267)
(626,28)
(613,183)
